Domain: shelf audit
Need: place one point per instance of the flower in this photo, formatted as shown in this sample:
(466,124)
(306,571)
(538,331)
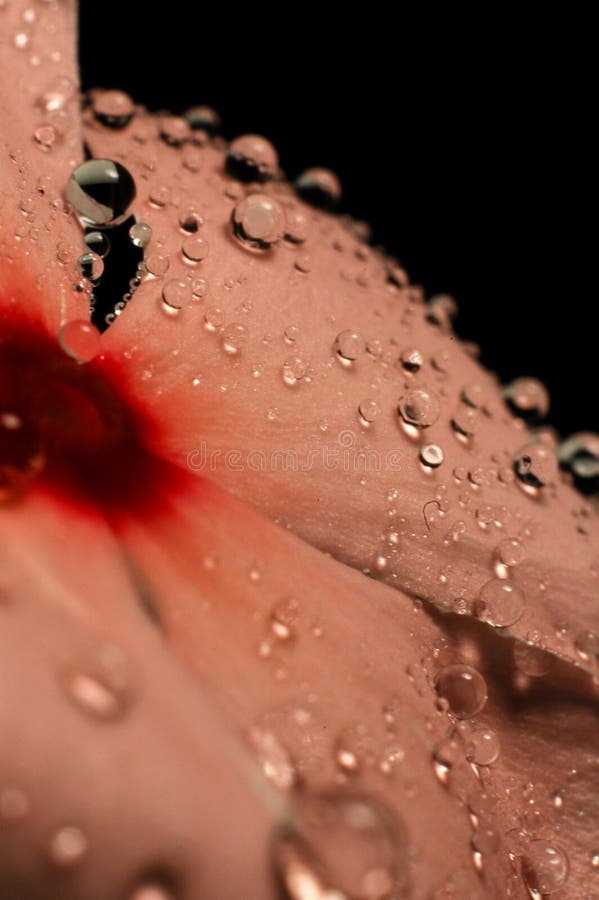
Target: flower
(272,394)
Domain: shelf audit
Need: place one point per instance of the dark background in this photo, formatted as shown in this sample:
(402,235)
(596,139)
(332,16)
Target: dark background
(464,142)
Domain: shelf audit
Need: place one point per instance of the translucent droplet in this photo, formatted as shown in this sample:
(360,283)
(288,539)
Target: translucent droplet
(100,686)
(320,187)
(535,465)
(486,841)
(349,345)
(586,645)
(531,660)
(101,192)
(176,293)
(194,249)
(419,407)
(431,455)
(411,359)
(190,220)
(528,398)
(445,756)
(80,339)
(466,421)
(68,847)
(140,234)
(464,689)
(483,747)
(368,411)
(294,369)
(511,552)
(214,318)
(545,867)
(90,266)
(251,158)
(258,222)
(580,454)
(203,118)
(115,109)
(21,454)
(273,757)
(441,310)
(14,804)
(174,130)
(45,136)
(235,336)
(500,603)
(98,243)
(473,395)
(347,848)
(296,225)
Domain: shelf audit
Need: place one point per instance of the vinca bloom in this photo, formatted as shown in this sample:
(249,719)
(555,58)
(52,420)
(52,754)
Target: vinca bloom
(296,599)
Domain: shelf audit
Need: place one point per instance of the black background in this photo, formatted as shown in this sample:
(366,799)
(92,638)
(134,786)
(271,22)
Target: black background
(464,141)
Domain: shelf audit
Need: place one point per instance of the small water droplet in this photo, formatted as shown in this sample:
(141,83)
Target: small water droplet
(528,398)
(368,411)
(100,685)
(586,645)
(251,158)
(535,465)
(320,187)
(500,603)
(464,689)
(140,234)
(273,757)
(90,266)
(419,407)
(258,222)
(203,118)
(68,846)
(45,136)
(214,318)
(483,748)
(545,867)
(411,359)
(431,455)
(176,293)
(511,552)
(153,890)
(114,109)
(349,345)
(160,196)
(294,369)
(157,264)
(101,192)
(190,221)
(486,841)
(234,338)
(80,339)
(194,249)
(174,130)
(466,421)
(98,243)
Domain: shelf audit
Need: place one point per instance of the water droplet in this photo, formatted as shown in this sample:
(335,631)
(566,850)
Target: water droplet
(115,109)
(100,686)
(45,136)
(349,345)
(535,465)
(98,243)
(431,455)
(140,234)
(234,338)
(545,867)
(528,398)
(411,359)
(296,225)
(483,748)
(203,118)
(258,222)
(368,411)
(419,407)
(21,454)
(464,689)
(194,249)
(294,369)
(466,421)
(586,645)
(251,158)
(531,660)
(273,757)
(68,846)
(214,318)
(320,187)
(14,804)
(511,552)
(445,756)
(473,395)
(580,454)
(157,265)
(190,221)
(347,848)
(90,266)
(174,130)
(441,310)
(101,192)
(500,603)
(80,339)
(595,859)
(176,293)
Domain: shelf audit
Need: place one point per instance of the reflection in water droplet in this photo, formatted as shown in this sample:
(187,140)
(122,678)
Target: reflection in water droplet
(101,192)
(320,187)
(528,398)
(545,867)
(431,455)
(251,158)
(100,685)
(349,345)
(347,847)
(258,222)
(140,234)
(411,359)
(419,407)
(98,243)
(203,118)
(67,847)
(90,265)
(499,603)
(80,339)
(114,109)
(464,689)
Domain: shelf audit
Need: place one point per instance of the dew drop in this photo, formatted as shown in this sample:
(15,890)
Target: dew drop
(483,748)
(535,465)
(486,841)
(80,340)
(194,249)
(511,552)
(274,759)
(419,407)
(101,192)
(466,421)
(296,225)
(545,867)
(586,645)
(45,136)
(251,158)
(68,846)
(203,118)
(528,398)
(90,266)
(140,234)
(368,411)
(234,338)
(319,187)
(174,130)
(160,196)
(431,455)
(100,685)
(500,603)
(348,346)
(114,109)
(258,222)
(176,293)
(412,360)
(464,689)
(190,220)
(157,264)
(580,454)
(294,369)
(98,243)
(214,318)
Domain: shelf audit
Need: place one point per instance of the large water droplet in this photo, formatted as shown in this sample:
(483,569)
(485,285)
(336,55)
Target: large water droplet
(252,158)
(80,339)
(258,222)
(483,747)
(320,187)
(545,867)
(101,192)
(419,407)
(464,689)
(535,465)
(499,603)
(528,398)
(349,345)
